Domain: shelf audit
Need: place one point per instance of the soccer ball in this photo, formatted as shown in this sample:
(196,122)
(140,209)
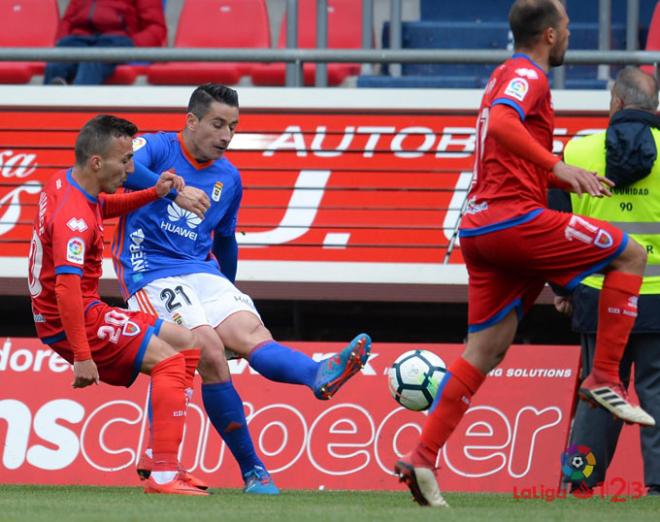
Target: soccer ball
(414,378)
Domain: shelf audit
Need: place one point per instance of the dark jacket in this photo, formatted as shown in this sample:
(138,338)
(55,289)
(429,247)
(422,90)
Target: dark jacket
(631,153)
(141,20)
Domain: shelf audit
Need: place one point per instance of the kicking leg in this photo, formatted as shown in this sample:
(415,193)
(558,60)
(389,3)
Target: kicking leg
(244,333)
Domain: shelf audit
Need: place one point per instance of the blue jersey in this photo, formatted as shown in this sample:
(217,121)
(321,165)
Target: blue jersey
(161,239)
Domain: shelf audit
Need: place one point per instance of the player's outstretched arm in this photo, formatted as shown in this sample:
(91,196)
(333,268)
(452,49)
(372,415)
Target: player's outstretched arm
(70,307)
(142,178)
(113,205)
(188,198)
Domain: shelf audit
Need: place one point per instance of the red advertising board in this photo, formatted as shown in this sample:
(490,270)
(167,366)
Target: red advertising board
(321,185)
(513,434)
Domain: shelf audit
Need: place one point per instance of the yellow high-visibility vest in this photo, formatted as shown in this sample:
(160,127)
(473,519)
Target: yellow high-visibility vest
(635,209)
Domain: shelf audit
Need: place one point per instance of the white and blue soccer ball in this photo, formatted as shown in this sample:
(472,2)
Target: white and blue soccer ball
(414,378)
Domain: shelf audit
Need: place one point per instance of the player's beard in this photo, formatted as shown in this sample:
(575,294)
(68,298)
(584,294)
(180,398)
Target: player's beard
(556,57)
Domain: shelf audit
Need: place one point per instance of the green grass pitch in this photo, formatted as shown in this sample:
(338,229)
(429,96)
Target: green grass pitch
(83,503)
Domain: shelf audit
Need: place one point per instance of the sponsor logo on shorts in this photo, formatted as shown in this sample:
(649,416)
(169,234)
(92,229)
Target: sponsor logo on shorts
(517,89)
(242,298)
(217,191)
(603,239)
(131,329)
(75,251)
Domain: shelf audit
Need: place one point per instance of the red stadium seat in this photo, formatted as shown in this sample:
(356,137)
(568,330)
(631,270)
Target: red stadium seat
(653,39)
(26,23)
(219,24)
(344,32)
(126,74)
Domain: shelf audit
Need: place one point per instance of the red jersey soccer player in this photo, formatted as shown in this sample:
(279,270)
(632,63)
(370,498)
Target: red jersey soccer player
(105,343)
(512,244)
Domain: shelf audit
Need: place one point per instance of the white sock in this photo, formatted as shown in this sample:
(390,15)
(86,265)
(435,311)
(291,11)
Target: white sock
(163,477)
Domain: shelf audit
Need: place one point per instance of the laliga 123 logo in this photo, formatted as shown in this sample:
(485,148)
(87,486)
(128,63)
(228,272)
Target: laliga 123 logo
(577,463)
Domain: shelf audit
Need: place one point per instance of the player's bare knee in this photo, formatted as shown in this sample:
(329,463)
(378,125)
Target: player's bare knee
(213,365)
(178,337)
(632,260)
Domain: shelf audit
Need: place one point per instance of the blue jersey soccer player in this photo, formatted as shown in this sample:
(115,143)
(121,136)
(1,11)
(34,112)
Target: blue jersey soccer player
(164,260)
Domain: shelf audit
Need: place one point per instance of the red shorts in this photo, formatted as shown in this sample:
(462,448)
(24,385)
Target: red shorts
(508,266)
(118,339)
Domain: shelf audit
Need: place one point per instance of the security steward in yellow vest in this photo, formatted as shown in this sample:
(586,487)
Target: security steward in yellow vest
(628,154)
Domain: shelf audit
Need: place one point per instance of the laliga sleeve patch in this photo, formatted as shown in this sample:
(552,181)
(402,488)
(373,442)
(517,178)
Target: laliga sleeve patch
(517,89)
(75,251)
(138,143)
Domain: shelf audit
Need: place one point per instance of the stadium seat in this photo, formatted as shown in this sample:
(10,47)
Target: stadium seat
(219,24)
(26,23)
(344,32)
(653,38)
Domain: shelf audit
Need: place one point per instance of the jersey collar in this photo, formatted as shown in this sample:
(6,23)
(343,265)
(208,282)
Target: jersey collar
(189,157)
(526,57)
(69,178)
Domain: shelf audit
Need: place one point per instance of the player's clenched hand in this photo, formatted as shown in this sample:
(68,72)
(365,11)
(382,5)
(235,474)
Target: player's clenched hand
(563,305)
(168,181)
(582,181)
(194,200)
(85,373)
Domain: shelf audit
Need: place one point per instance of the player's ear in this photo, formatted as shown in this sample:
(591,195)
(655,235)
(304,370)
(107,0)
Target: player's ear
(550,35)
(95,162)
(191,120)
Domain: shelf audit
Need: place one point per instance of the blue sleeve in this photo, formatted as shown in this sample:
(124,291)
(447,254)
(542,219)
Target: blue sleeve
(225,249)
(147,150)
(143,178)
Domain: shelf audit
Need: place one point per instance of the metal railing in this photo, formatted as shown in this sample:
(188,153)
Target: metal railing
(300,56)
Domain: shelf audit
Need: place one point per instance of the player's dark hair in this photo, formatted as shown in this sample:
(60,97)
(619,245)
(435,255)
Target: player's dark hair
(204,95)
(97,133)
(529,18)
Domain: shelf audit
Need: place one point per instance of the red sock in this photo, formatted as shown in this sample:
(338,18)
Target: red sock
(192,360)
(168,382)
(617,310)
(462,382)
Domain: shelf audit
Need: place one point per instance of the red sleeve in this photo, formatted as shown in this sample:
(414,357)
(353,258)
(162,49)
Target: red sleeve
(70,307)
(64,27)
(505,127)
(153,30)
(113,205)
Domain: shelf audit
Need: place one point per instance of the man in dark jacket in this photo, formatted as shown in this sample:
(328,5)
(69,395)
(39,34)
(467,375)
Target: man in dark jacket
(628,155)
(104,23)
